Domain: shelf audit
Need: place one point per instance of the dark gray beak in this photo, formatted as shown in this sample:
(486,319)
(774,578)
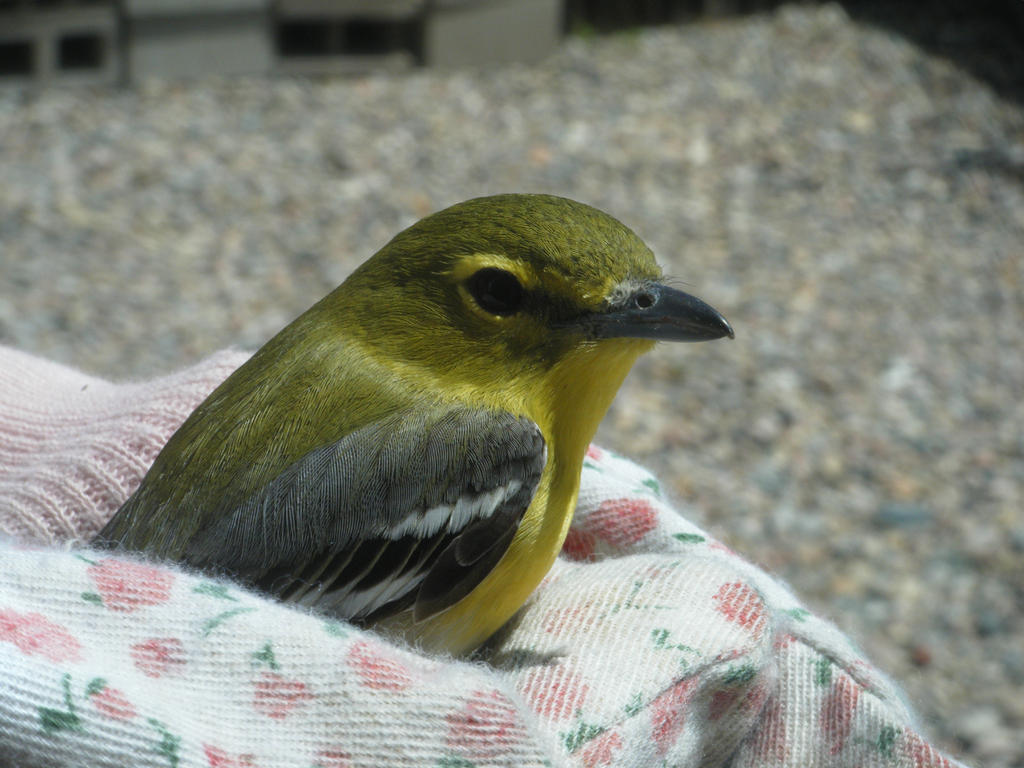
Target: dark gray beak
(655,311)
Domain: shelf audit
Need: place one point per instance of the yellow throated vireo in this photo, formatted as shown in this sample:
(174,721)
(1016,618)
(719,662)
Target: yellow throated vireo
(407,453)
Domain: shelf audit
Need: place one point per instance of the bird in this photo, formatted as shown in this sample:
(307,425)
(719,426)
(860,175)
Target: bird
(406,454)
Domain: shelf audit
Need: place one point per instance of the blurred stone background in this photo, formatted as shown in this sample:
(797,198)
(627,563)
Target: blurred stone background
(849,193)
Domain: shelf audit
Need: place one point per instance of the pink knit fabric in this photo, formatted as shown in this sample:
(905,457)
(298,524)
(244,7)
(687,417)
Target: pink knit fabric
(73,447)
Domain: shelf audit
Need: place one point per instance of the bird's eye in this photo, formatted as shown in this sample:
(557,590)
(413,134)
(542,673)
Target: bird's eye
(644,300)
(496,291)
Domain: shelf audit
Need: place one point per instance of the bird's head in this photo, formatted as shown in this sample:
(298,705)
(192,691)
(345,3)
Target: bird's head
(515,295)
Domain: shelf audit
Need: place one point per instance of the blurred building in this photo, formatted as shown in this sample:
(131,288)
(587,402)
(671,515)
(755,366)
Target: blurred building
(108,41)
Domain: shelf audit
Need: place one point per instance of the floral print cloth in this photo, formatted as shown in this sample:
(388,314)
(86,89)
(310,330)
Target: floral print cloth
(648,644)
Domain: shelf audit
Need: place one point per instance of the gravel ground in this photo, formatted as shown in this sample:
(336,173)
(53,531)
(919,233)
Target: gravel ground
(854,206)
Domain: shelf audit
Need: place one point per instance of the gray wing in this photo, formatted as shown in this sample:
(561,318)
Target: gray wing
(414,510)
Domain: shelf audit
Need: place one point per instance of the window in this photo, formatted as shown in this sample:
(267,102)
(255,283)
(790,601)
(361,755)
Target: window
(80,51)
(344,37)
(16,57)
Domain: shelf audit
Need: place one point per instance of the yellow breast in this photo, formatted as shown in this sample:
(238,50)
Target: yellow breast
(567,406)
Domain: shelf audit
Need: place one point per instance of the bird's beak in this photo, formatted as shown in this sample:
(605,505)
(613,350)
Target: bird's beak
(655,311)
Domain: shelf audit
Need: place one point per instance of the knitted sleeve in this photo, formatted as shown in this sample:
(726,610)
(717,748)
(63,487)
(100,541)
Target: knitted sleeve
(73,446)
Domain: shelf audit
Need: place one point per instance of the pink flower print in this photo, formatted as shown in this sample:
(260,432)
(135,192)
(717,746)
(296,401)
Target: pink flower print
(770,744)
(601,750)
(35,635)
(556,693)
(487,727)
(218,758)
(157,656)
(570,621)
(741,604)
(111,702)
(334,757)
(276,696)
(668,714)
(125,586)
(922,753)
(744,698)
(622,522)
(376,669)
(594,453)
(837,711)
(579,544)
(783,641)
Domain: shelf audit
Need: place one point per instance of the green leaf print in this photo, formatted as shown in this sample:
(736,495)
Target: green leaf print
(61,720)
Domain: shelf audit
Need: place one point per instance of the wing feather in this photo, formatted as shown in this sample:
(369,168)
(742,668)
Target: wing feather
(414,510)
